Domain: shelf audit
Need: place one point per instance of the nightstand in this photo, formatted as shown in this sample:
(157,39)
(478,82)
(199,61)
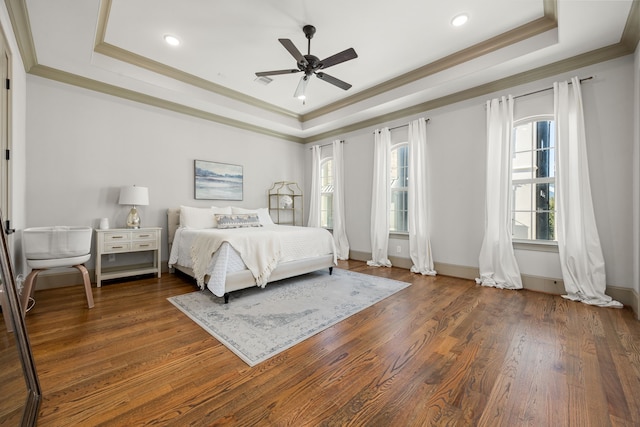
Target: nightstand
(127,240)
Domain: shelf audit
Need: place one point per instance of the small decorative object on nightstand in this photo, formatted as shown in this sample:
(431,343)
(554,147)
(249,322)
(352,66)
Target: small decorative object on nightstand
(125,240)
(134,196)
(285,203)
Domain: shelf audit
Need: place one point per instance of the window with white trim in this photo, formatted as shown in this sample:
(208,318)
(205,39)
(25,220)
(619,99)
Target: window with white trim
(326,193)
(533,167)
(399,180)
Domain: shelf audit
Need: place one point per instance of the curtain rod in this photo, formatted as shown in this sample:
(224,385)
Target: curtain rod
(548,88)
(405,125)
(324,145)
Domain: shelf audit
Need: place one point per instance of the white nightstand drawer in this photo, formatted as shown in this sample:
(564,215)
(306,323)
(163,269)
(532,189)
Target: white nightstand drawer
(121,237)
(144,235)
(148,245)
(117,247)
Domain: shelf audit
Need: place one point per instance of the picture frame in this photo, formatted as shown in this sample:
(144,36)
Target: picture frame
(217,181)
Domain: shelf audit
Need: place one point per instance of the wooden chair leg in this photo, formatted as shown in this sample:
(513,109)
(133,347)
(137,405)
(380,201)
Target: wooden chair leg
(28,289)
(87,283)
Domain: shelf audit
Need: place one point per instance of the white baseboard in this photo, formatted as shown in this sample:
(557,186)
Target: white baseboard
(555,286)
(69,277)
(626,296)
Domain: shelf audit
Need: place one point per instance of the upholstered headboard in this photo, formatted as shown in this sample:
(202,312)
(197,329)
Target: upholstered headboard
(173,222)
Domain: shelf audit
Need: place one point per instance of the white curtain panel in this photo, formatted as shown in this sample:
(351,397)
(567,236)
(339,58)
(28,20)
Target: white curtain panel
(314,197)
(581,259)
(380,199)
(339,231)
(418,195)
(498,266)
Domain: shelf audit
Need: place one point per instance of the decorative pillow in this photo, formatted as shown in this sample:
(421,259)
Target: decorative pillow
(199,218)
(221,211)
(263,214)
(238,221)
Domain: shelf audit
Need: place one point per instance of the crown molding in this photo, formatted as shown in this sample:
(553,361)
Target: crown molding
(493,44)
(19,17)
(97,86)
(589,58)
(538,26)
(631,33)
(100,46)
(173,73)
(550,9)
(627,46)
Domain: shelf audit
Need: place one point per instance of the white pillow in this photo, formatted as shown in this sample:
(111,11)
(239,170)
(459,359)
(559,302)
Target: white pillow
(265,217)
(263,214)
(199,218)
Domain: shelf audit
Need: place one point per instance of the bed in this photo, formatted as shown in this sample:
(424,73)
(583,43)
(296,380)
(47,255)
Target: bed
(203,249)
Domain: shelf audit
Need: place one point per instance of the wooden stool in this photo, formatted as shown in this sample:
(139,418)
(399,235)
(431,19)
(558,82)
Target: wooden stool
(40,265)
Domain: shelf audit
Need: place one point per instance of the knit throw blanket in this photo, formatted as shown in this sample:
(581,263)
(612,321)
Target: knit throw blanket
(259,248)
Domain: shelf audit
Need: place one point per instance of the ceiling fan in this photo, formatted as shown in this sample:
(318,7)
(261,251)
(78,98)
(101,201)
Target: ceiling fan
(310,64)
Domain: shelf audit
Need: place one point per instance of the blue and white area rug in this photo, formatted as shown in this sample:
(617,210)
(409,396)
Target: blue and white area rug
(260,323)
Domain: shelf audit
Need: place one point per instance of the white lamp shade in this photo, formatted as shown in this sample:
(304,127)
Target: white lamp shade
(132,195)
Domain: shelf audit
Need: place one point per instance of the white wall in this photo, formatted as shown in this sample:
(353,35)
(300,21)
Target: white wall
(82,146)
(456,148)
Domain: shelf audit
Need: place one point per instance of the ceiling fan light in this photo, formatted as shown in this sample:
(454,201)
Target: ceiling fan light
(302,88)
(171,40)
(460,20)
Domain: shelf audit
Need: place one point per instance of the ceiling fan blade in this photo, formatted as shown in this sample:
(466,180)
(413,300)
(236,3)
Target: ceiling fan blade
(343,56)
(276,72)
(330,79)
(293,50)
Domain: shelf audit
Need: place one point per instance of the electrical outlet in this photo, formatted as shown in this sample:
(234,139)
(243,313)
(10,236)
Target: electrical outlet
(398,249)
(112,257)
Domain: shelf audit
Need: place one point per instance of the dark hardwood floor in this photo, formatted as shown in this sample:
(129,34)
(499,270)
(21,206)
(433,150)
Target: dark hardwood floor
(443,351)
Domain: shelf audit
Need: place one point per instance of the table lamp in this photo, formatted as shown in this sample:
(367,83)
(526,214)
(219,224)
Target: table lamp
(134,196)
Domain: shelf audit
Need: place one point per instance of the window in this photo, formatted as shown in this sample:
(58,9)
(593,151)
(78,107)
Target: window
(326,193)
(533,180)
(399,176)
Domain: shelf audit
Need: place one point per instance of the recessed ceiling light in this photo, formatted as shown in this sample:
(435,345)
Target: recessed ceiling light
(171,40)
(460,20)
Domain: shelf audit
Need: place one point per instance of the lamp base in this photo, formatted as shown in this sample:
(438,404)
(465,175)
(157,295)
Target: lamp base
(133,219)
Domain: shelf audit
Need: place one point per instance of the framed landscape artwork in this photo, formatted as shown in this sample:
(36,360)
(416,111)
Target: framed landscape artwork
(217,181)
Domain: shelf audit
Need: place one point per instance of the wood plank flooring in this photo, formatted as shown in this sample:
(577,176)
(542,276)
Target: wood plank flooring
(444,351)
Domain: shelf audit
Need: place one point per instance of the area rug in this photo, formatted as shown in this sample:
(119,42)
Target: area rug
(260,323)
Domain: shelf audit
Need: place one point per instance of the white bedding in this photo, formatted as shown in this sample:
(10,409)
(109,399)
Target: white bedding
(296,243)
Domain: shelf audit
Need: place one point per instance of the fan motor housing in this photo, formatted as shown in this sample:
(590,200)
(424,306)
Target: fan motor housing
(313,63)
(309,31)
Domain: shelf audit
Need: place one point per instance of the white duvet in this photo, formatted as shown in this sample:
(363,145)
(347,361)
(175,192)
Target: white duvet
(293,243)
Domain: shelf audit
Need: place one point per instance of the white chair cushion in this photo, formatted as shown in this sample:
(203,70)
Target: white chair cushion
(41,264)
